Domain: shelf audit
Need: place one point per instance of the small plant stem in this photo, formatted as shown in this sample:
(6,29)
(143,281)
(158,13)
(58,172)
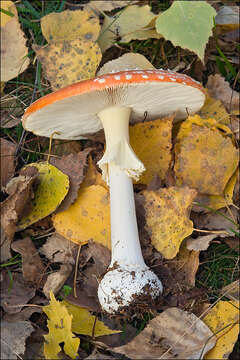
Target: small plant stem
(212,232)
(75,273)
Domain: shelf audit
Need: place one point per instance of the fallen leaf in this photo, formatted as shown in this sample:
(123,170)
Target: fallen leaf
(167,218)
(124,24)
(74,166)
(228,18)
(59,249)
(32,266)
(172,334)
(88,218)
(20,190)
(231,291)
(201,242)
(100,254)
(15,291)
(187,24)
(7,161)
(93,176)
(52,189)
(129,61)
(67,62)
(106,5)
(151,142)
(64,147)
(59,325)
(14,58)
(223,321)
(13,337)
(99,356)
(213,108)
(10,112)
(70,25)
(205,158)
(24,314)
(85,323)
(220,89)
(56,280)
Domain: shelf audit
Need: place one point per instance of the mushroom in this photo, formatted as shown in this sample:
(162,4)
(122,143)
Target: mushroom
(109,101)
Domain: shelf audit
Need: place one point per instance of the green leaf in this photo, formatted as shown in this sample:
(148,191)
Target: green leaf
(187,24)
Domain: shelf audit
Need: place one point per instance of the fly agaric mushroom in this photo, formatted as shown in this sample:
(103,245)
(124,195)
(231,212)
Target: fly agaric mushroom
(109,101)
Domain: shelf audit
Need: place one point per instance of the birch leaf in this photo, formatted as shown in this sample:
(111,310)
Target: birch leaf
(85,323)
(223,321)
(151,142)
(167,218)
(205,158)
(213,108)
(70,25)
(88,218)
(14,52)
(187,24)
(60,330)
(52,188)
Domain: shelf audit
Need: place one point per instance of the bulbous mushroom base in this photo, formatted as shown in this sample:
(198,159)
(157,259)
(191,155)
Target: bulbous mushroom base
(120,288)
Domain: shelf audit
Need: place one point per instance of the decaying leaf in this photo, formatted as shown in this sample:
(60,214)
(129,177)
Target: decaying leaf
(205,158)
(93,176)
(56,280)
(70,25)
(109,5)
(124,24)
(130,61)
(10,111)
(172,334)
(151,142)
(73,165)
(85,323)
(59,249)
(13,337)
(32,266)
(59,326)
(14,58)
(167,218)
(88,218)
(52,189)
(7,160)
(223,321)
(200,243)
(67,62)
(15,292)
(220,89)
(187,24)
(213,108)
(231,291)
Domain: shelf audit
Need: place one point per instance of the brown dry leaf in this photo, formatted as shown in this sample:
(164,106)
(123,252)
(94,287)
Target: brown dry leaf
(201,242)
(7,160)
(15,291)
(32,266)
(223,320)
(59,249)
(67,62)
(56,280)
(13,337)
(109,5)
(124,24)
(74,166)
(130,61)
(10,112)
(88,218)
(63,147)
(14,52)
(167,218)
(70,25)
(151,142)
(205,158)
(213,108)
(231,291)
(20,190)
(220,89)
(93,176)
(172,334)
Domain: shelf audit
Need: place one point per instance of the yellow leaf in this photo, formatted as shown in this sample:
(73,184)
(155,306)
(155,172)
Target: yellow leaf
(223,320)
(88,218)
(52,188)
(60,330)
(205,158)
(14,52)
(151,142)
(70,25)
(167,218)
(124,23)
(85,323)
(67,62)
(213,108)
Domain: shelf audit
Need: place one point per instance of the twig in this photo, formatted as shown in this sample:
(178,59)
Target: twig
(75,274)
